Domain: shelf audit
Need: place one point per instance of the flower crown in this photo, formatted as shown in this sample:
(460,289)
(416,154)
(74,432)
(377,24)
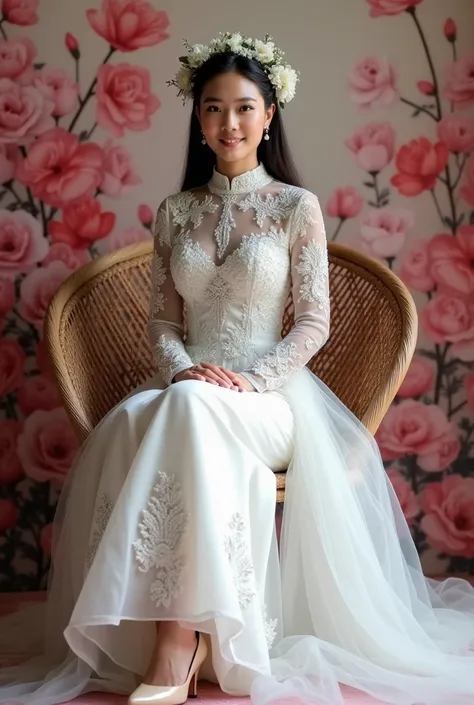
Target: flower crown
(282,77)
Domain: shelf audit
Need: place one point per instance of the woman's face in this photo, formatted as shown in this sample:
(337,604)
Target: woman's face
(233,117)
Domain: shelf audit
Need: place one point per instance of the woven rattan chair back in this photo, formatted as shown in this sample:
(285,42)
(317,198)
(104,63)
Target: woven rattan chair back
(95,331)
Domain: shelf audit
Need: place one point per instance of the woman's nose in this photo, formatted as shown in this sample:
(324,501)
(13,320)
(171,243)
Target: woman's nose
(230,121)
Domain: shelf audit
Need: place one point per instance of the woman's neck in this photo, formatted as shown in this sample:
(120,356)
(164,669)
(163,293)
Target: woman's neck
(233,169)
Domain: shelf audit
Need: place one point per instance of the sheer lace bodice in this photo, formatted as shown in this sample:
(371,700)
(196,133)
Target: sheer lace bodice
(231,251)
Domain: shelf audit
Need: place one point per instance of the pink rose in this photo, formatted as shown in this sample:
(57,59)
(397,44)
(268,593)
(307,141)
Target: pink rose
(46,539)
(16,59)
(419,164)
(449,515)
(61,252)
(128,236)
(58,87)
(47,446)
(372,83)
(22,244)
(24,112)
(373,145)
(72,45)
(21,12)
(10,466)
(452,261)
(38,392)
(467,189)
(130,24)
(9,158)
(415,270)
(124,98)
(384,231)
(450,30)
(443,451)
(405,495)
(344,203)
(413,428)
(12,362)
(7,295)
(381,8)
(8,515)
(145,214)
(82,224)
(459,84)
(457,132)
(60,170)
(469,381)
(449,319)
(426,87)
(419,378)
(38,288)
(120,173)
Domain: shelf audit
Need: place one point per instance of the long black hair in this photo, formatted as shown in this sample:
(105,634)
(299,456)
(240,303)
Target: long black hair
(274,154)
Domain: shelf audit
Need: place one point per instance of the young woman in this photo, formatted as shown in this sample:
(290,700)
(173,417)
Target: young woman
(166,557)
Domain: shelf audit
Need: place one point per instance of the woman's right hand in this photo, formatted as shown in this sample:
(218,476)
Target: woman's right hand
(213,374)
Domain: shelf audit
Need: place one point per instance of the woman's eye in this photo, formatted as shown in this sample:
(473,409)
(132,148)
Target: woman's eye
(212,109)
(246,107)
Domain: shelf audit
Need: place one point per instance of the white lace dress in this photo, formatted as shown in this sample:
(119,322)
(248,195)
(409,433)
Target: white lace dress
(169,511)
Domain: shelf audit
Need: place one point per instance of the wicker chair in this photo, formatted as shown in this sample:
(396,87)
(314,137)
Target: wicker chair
(95,330)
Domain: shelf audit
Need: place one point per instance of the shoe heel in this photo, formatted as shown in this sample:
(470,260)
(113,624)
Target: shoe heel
(193,686)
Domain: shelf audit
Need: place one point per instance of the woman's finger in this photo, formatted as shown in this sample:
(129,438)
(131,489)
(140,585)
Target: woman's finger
(220,372)
(215,374)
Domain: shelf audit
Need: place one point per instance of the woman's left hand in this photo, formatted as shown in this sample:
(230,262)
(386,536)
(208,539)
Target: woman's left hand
(244,384)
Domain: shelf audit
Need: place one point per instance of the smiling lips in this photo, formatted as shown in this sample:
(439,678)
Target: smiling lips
(231,142)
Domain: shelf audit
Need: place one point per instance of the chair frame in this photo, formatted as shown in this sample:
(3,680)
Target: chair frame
(339,254)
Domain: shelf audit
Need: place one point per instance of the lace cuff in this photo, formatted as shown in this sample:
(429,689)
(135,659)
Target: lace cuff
(171,358)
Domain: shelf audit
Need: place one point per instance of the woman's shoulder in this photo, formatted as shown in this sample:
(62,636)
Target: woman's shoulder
(183,199)
(297,195)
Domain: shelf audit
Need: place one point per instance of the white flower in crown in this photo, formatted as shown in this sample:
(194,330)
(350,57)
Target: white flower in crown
(265,51)
(282,76)
(198,54)
(183,80)
(235,43)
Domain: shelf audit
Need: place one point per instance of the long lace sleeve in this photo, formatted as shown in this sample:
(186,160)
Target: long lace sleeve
(165,320)
(310,289)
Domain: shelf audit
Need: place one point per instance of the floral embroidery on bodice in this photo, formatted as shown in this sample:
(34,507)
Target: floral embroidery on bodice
(232,251)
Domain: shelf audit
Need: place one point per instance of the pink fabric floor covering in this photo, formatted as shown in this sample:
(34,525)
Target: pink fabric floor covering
(208,693)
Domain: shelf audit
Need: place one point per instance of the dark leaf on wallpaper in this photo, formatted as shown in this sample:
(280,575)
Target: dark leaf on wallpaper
(460,220)
(449,222)
(384,202)
(471,218)
(428,353)
(15,206)
(465,424)
(384,193)
(3,193)
(371,203)
(26,550)
(369,184)
(456,383)
(30,208)
(452,365)
(39,66)
(83,135)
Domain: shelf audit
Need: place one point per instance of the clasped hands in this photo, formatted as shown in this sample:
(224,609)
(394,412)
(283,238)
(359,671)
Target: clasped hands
(217,375)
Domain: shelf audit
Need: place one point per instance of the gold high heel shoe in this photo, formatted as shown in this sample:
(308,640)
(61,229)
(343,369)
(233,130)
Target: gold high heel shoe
(172,694)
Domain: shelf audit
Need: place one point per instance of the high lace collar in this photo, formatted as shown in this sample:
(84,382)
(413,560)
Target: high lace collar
(248,181)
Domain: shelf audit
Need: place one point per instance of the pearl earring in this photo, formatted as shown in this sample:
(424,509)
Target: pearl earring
(203,141)
(266,135)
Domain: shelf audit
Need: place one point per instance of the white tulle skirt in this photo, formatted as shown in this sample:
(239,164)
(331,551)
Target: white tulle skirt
(169,515)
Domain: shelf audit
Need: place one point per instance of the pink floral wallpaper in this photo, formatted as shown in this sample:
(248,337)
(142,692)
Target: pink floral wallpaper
(427,437)
(52,220)
(68,170)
